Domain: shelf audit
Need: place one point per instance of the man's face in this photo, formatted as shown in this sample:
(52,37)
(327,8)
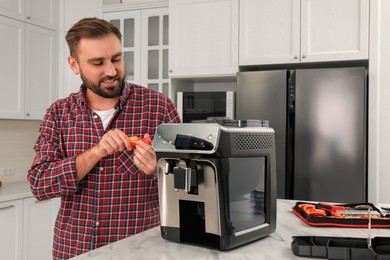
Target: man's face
(100,65)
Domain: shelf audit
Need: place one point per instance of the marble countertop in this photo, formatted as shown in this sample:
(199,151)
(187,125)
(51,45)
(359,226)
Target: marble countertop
(14,191)
(150,244)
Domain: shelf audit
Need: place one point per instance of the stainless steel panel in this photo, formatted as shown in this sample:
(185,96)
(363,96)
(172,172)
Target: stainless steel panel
(262,95)
(208,193)
(330,135)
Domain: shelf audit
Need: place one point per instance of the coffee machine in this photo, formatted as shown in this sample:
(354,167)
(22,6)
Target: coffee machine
(217,182)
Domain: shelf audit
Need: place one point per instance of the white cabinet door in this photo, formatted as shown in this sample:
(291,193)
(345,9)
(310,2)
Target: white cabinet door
(203,37)
(38,226)
(289,31)
(40,71)
(269,31)
(334,30)
(12,53)
(11,224)
(13,8)
(154,49)
(42,13)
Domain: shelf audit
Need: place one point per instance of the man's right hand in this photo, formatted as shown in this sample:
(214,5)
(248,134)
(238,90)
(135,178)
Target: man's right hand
(113,141)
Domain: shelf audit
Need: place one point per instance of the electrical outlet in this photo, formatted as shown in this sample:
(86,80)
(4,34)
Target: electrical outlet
(7,171)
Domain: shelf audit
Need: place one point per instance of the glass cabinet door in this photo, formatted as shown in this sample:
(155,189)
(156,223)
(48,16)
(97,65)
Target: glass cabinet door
(155,49)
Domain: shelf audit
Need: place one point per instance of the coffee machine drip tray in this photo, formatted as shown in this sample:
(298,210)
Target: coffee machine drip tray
(217,185)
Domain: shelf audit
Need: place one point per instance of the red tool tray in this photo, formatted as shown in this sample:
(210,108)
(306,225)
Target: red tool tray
(341,215)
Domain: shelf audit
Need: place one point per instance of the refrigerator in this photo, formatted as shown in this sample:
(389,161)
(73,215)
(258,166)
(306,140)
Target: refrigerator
(320,121)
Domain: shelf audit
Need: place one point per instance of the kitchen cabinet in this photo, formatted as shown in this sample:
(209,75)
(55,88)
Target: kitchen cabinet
(203,38)
(12,53)
(40,71)
(38,12)
(11,224)
(145,44)
(42,13)
(38,227)
(27,227)
(28,65)
(13,8)
(293,31)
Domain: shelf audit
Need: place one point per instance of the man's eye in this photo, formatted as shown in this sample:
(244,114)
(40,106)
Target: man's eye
(116,59)
(98,63)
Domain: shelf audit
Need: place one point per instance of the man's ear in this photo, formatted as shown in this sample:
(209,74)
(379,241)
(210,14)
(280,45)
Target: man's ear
(73,64)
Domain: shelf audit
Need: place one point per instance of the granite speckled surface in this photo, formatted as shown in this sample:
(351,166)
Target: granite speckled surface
(150,245)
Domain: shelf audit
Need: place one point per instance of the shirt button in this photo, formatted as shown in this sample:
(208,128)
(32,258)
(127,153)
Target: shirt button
(101,168)
(95,116)
(97,223)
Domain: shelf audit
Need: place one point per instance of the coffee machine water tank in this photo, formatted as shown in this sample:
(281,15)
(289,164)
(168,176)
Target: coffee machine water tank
(217,182)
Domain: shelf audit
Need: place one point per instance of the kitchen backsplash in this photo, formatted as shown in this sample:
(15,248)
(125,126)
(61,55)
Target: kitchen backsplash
(17,139)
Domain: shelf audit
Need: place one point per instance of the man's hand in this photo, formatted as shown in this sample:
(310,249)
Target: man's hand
(145,157)
(112,142)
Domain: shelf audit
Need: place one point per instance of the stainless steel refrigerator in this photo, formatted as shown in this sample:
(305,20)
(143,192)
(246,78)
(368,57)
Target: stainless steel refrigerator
(320,122)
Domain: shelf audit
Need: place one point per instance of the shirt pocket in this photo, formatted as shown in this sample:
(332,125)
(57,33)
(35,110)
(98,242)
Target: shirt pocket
(126,164)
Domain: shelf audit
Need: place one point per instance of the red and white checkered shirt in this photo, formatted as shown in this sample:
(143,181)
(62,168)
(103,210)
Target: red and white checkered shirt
(115,200)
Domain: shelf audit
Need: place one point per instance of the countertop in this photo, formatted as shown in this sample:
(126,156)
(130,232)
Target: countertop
(14,191)
(150,244)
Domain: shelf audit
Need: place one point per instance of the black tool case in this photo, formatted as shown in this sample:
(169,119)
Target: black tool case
(341,248)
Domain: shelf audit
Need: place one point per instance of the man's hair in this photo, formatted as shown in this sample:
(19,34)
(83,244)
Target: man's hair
(90,28)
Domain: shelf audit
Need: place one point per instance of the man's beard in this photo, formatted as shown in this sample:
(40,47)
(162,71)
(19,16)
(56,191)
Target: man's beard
(110,92)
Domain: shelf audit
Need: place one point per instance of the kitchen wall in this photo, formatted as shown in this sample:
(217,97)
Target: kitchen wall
(17,139)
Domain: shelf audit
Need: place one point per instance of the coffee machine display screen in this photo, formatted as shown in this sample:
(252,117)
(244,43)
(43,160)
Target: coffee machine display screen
(247,192)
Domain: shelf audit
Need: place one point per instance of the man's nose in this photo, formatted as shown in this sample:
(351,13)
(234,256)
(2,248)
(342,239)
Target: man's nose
(110,69)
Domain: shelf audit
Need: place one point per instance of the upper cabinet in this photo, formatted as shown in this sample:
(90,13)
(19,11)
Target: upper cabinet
(28,58)
(38,12)
(145,44)
(42,13)
(13,8)
(282,31)
(203,37)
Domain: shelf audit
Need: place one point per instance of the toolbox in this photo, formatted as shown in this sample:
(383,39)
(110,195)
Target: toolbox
(362,215)
(341,248)
(341,215)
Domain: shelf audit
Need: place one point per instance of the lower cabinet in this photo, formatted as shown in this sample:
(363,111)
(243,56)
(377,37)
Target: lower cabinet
(38,225)
(11,223)
(27,228)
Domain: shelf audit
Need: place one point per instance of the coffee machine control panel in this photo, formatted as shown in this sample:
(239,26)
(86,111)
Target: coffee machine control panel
(187,138)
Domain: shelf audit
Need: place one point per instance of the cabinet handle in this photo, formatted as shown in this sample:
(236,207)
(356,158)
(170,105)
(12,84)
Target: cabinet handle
(170,71)
(27,114)
(303,56)
(28,17)
(295,57)
(7,207)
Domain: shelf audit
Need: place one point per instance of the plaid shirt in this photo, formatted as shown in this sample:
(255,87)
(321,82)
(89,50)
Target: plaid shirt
(115,200)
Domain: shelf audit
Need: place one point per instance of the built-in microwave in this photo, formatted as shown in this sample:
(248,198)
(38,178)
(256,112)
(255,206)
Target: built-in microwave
(198,106)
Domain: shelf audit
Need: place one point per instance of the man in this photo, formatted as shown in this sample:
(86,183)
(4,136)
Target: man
(108,188)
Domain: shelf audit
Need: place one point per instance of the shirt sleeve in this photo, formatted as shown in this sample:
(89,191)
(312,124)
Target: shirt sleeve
(171,116)
(51,175)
